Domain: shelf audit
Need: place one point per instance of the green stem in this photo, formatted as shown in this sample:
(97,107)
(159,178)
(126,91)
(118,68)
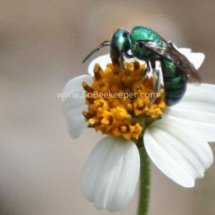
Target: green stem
(144,182)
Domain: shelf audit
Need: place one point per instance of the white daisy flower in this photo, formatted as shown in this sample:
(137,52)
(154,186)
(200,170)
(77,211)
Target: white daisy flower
(175,137)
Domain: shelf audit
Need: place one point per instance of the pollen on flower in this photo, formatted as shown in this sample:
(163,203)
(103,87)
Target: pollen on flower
(119,98)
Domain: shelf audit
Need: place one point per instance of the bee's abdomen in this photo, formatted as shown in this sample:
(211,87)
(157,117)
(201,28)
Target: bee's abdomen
(175,83)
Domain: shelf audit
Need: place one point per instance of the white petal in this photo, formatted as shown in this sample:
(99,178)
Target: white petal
(111,172)
(76,125)
(195,58)
(184,51)
(73,104)
(196,109)
(178,151)
(102,61)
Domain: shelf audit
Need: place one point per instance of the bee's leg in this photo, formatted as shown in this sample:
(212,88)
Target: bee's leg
(157,82)
(147,70)
(121,59)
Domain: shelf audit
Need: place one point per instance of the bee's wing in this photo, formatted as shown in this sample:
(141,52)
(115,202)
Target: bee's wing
(170,52)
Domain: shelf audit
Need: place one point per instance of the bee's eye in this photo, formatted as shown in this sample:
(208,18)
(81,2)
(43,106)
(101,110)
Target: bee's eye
(125,34)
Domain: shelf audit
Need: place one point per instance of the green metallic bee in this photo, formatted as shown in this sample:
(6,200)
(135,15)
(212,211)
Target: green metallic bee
(144,44)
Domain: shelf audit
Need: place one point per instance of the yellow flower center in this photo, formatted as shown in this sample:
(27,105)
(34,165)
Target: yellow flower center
(119,100)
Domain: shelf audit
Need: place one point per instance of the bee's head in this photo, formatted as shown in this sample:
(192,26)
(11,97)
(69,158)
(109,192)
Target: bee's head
(119,45)
(119,40)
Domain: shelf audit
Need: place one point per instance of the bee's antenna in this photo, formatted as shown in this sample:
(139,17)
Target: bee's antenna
(105,43)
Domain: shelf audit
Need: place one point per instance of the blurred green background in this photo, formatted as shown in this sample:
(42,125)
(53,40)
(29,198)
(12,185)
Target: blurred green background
(42,44)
